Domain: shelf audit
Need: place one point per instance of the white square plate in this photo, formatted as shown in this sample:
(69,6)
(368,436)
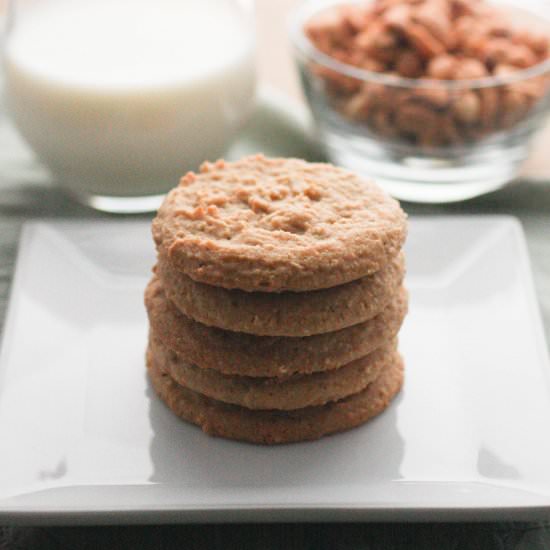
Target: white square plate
(83,438)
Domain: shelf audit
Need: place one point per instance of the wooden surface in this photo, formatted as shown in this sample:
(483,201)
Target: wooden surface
(283,537)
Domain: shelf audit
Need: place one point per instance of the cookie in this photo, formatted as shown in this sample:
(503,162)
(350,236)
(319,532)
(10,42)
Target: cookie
(272,426)
(285,313)
(248,355)
(261,224)
(294,392)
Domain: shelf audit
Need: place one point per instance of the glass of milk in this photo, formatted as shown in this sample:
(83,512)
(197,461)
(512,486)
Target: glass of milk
(119,98)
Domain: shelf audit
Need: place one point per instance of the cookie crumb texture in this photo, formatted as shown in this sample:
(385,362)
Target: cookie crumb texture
(270,427)
(261,224)
(276,300)
(293,392)
(260,356)
(283,313)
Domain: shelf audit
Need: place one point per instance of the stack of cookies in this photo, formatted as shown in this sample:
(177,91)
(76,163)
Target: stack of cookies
(276,300)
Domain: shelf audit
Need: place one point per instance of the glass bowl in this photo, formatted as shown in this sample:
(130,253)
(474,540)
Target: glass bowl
(424,140)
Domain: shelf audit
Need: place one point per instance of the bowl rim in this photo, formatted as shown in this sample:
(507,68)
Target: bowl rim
(303,44)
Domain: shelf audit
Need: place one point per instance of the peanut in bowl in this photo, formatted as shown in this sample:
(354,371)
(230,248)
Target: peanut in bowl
(436,99)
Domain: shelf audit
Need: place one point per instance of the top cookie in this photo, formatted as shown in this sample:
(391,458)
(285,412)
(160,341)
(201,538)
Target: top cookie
(262,224)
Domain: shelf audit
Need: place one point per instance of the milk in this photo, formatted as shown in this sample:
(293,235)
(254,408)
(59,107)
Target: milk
(121,97)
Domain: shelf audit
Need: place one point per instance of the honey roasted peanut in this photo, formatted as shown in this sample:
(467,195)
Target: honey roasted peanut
(442,67)
(466,108)
(409,64)
(445,40)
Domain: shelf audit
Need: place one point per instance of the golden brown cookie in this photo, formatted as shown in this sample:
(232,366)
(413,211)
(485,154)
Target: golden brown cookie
(285,313)
(272,427)
(294,392)
(248,355)
(278,224)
